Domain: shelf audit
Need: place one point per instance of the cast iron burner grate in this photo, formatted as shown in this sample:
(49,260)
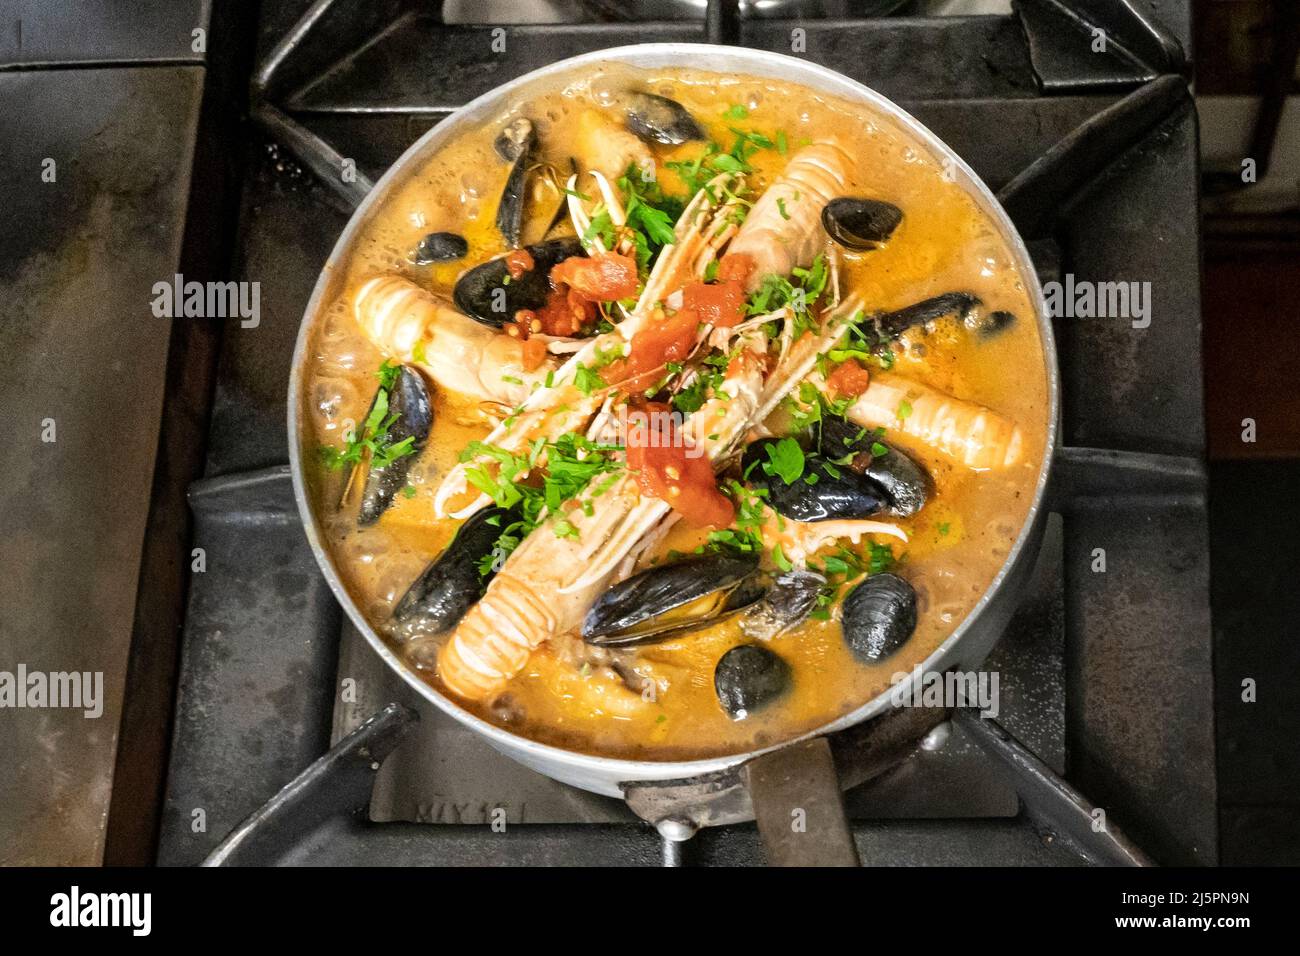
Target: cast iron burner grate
(1106,678)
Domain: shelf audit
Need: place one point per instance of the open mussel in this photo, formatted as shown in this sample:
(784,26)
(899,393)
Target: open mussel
(749,677)
(823,492)
(860,224)
(659,119)
(515,144)
(488,293)
(786,604)
(407,403)
(453,581)
(878,617)
(440,247)
(957,305)
(905,483)
(964,308)
(670,598)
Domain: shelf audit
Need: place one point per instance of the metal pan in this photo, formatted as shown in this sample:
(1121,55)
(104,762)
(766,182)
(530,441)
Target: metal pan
(672,790)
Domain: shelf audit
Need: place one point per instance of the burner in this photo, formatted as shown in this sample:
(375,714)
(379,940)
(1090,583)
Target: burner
(1106,677)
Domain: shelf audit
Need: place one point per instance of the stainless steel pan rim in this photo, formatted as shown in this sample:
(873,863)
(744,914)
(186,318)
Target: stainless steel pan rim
(604,774)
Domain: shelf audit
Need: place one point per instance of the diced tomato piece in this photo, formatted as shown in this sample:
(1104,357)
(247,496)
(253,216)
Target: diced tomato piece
(605,277)
(519,262)
(565,313)
(850,379)
(667,469)
(721,304)
(667,338)
(533,355)
(735,267)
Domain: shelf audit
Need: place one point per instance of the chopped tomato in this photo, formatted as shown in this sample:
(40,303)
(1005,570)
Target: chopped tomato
(850,379)
(533,355)
(565,313)
(721,304)
(668,338)
(735,267)
(667,469)
(519,262)
(605,277)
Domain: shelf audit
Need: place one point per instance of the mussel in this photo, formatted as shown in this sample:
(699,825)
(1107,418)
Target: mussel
(823,492)
(905,483)
(963,307)
(408,401)
(989,324)
(671,598)
(489,295)
(453,581)
(440,247)
(955,304)
(786,604)
(659,119)
(878,617)
(860,224)
(749,677)
(515,144)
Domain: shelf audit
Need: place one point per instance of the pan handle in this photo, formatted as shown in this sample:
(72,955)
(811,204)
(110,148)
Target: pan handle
(799,807)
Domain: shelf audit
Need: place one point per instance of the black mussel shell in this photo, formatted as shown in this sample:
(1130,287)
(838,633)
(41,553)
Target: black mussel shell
(440,247)
(749,677)
(860,224)
(659,119)
(905,483)
(476,292)
(955,304)
(515,144)
(836,492)
(671,598)
(786,604)
(408,399)
(989,324)
(516,140)
(451,584)
(878,617)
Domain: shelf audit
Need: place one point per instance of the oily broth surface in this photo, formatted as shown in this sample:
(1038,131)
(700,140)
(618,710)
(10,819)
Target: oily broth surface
(958,541)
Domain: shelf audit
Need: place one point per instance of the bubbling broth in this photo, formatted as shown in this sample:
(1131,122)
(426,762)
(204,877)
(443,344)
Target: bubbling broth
(670,414)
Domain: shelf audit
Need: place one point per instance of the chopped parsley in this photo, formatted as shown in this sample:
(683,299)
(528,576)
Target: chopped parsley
(843,566)
(708,380)
(697,172)
(573,462)
(777,292)
(785,460)
(373,439)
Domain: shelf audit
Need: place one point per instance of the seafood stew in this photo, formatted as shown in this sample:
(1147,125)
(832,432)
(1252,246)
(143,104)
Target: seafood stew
(672,414)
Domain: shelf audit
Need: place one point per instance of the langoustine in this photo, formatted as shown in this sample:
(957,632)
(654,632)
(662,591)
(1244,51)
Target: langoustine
(559,406)
(549,582)
(417,328)
(965,432)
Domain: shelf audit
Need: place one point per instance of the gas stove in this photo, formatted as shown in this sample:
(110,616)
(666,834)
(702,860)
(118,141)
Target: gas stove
(1106,677)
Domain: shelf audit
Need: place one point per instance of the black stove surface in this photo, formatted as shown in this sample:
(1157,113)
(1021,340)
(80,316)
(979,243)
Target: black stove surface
(1105,676)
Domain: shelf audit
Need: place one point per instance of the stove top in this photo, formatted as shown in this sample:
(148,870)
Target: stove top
(1105,676)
